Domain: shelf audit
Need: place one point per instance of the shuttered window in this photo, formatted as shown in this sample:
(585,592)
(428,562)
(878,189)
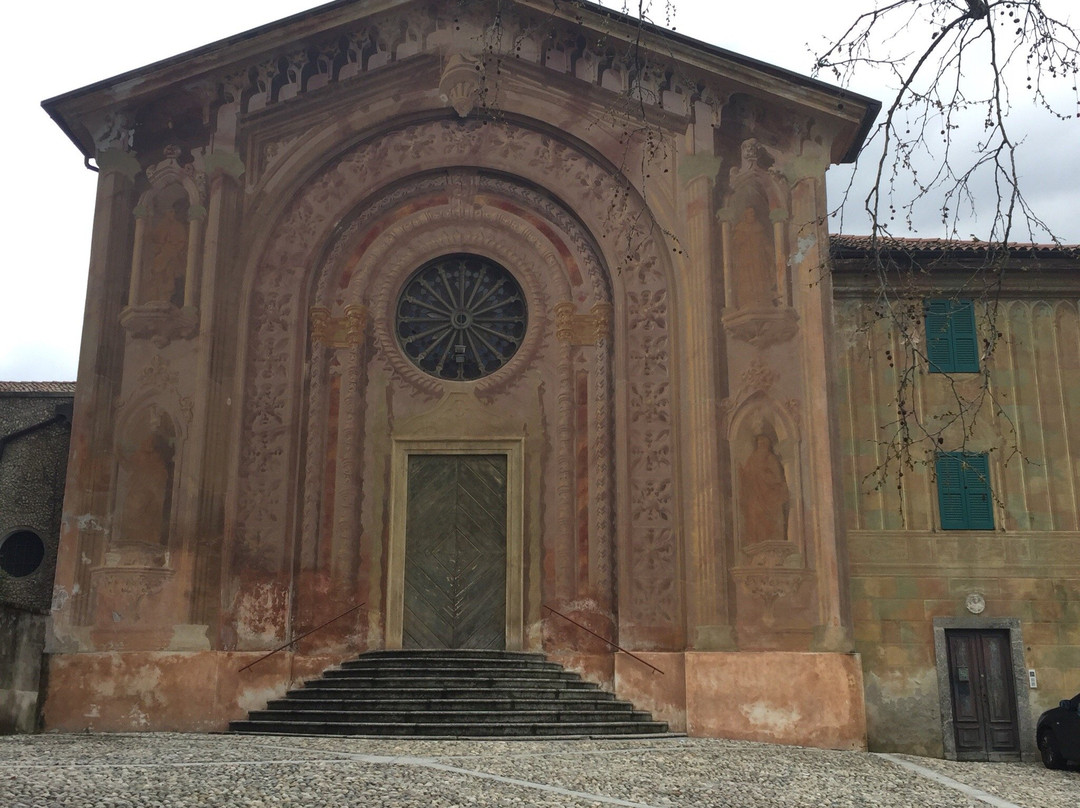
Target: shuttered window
(964,497)
(952,345)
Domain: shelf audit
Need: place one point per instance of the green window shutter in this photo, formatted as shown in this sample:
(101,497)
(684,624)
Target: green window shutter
(965,341)
(965,501)
(937,336)
(952,344)
(977,494)
(950,489)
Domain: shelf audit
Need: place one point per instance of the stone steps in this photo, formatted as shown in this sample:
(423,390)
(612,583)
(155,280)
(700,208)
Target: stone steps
(450,694)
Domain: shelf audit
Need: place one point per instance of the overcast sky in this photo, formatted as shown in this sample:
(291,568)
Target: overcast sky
(57,46)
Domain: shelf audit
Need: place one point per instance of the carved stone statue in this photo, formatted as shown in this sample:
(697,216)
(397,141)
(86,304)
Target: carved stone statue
(143,490)
(166,259)
(764,496)
(755,285)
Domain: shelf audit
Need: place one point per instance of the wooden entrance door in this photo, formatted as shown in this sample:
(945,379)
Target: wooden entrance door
(983,697)
(455,552)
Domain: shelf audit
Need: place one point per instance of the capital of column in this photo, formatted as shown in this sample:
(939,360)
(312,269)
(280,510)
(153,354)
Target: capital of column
(118,161)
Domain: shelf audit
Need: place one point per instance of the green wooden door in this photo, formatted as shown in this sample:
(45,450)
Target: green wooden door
(455,552)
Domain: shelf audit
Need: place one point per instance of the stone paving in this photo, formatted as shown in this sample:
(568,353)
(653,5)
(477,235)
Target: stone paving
(171,770)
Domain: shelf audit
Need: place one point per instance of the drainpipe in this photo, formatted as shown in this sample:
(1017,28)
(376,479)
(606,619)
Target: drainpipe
(61,415)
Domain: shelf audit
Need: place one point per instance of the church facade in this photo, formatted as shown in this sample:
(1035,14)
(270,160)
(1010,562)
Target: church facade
(494,328)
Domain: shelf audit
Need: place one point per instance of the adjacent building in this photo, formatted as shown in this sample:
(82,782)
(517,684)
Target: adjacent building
(35,420)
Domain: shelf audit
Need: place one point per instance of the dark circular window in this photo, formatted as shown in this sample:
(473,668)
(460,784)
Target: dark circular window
(461,317)
(21,553)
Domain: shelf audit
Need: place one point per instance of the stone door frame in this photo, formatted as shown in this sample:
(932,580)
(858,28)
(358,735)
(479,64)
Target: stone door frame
(514,451)
(1020,679)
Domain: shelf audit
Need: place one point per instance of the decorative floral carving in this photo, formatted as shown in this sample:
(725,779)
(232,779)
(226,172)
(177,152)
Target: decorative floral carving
(648,310)
(770,586)
(653,453)
(158,377)
(652,500)
(650,355)
(655,596)
(650,403)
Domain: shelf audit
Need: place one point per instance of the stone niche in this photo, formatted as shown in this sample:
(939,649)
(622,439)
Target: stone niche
(753,227)
(165,264)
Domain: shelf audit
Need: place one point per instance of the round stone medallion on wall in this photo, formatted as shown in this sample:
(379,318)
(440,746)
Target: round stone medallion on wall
(460,317)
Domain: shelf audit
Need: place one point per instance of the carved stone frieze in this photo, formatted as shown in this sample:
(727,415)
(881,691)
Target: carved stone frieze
(391,37)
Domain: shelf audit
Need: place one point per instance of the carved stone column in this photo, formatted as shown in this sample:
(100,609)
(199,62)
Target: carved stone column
(708,619)
(89,470)
(833,632)
(212,411)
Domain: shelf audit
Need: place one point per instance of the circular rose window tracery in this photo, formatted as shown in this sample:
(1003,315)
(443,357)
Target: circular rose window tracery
(460,317)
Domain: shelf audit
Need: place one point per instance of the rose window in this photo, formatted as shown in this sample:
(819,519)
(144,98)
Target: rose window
(461,317)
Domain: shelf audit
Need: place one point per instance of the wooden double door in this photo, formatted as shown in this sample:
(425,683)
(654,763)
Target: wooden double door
(455,551)
(983,694)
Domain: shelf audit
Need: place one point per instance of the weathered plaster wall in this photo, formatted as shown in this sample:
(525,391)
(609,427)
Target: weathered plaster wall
(906,571)
(166,691)
(807,699)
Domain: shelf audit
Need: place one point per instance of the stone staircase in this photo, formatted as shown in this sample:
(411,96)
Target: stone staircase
(450,694)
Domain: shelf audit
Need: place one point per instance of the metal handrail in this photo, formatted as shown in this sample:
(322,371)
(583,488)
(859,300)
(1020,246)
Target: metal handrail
(297,639)
(605,639)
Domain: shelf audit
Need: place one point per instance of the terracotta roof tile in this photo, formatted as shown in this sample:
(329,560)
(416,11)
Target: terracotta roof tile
(38,387)
(841,244)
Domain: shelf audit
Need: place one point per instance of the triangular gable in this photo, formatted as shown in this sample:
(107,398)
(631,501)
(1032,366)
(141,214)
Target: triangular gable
(353,40)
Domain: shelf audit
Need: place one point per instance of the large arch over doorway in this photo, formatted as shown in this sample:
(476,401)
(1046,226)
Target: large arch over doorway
(585,236)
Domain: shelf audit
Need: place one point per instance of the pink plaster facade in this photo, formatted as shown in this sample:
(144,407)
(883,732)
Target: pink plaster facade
(241,393)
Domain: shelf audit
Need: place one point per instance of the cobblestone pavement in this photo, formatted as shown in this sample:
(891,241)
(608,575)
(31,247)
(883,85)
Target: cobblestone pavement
(167,770)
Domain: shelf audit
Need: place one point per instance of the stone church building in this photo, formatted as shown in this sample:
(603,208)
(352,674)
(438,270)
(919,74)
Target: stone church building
(536,298)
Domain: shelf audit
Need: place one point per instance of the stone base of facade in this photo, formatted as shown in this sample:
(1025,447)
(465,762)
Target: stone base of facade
(167,691)
(806,699)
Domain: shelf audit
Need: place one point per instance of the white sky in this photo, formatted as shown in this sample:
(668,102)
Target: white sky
(57,46)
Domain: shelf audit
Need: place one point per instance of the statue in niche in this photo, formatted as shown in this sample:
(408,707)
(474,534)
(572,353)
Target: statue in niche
(765,499)
(166,261)
(752,245)
(144,486)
